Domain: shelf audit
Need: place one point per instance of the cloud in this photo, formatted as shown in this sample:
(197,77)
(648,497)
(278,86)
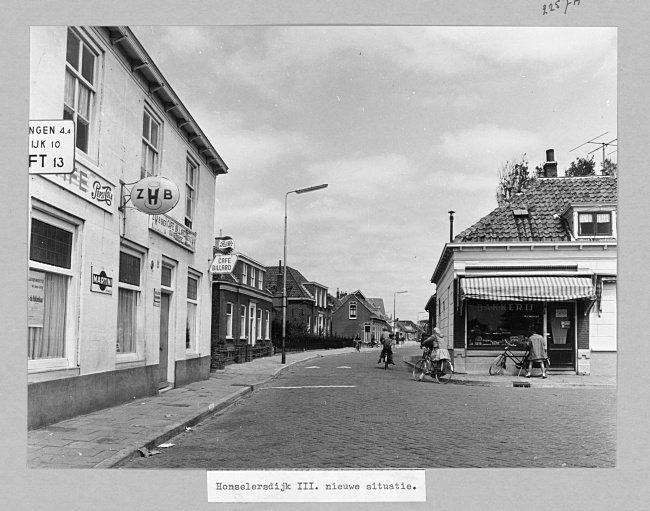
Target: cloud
(487,146)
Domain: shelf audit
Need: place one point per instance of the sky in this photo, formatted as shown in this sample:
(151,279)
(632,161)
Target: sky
(404,124)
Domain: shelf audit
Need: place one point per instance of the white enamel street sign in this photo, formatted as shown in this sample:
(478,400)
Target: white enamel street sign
(51,147)
(223,264)
(155,195)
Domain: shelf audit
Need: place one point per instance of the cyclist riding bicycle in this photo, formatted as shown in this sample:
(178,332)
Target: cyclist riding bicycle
(433,343)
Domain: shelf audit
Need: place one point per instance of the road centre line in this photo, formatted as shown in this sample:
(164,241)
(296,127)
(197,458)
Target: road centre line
(317,387)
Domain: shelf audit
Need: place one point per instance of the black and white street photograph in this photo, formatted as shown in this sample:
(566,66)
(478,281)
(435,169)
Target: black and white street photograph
(351,247)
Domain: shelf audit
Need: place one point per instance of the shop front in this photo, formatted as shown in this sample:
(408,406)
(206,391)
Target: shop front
(499,310)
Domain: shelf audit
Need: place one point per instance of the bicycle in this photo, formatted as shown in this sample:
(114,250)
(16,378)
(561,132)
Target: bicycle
(499,364)
(442,370)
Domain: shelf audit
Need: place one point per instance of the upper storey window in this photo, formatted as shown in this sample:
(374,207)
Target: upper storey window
(150,145)
(80,88)
(595,223)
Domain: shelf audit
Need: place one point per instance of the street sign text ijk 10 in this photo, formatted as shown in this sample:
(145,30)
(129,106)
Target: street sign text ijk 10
(51,147)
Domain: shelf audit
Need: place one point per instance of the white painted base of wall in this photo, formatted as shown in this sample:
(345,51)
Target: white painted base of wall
(603,363)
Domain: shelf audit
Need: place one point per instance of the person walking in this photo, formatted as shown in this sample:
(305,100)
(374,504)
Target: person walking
(357,343)
(537,346)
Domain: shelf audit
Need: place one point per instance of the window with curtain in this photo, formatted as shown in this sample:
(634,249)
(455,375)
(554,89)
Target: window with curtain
(48,300)
(267,326)
(259,324)
(48,290)
(127,303)
(229,320)
(192,306)
(242,322)
(595,224)
(80,87)
(352,311)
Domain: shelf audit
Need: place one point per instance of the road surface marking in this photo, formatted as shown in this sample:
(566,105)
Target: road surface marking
(317,387)
(344,367)
(312,367)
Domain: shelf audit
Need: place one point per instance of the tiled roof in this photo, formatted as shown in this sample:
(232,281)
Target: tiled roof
(534,214)
(295,280)
(366,302)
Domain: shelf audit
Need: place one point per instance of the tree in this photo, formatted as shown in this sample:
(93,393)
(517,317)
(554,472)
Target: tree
(513,178)
(610,168)
(581,167)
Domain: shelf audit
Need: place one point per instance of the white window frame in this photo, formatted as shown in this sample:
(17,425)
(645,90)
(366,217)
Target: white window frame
(267,326)
(253,272)
(309,323)
(260,279)
(595,211)
(62,221)
(148,145)
(352,310)
(242,321)
(244,273)
(194,345)
(259,334)
(229,319)
(94,88)
(191,192)
(139,308)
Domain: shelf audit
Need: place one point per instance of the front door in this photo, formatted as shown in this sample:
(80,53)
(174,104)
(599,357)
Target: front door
(560,334)
(164,341)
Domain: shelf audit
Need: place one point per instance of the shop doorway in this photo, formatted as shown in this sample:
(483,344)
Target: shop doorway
(164,341)
(560,334)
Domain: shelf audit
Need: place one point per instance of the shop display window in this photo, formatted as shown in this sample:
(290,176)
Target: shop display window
(490,324)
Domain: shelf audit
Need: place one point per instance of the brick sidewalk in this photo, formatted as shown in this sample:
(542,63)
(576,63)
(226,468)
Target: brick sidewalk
(109,437)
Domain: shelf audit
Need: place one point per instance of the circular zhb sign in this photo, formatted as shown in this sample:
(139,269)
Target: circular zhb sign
(155,195)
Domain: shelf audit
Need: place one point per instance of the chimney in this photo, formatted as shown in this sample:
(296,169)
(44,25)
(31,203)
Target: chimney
(550,167)
(451,226)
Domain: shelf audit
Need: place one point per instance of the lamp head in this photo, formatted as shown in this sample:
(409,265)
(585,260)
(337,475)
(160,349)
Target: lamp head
(311,188)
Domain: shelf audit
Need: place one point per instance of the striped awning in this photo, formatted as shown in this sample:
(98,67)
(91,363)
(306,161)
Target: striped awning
(527,289)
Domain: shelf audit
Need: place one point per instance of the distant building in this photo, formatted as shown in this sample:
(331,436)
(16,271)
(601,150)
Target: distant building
(546,258)
(120,302)
(356,314)
(308,308)
(241,305)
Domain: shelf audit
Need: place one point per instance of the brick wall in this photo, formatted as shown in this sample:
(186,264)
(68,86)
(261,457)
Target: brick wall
(583,325)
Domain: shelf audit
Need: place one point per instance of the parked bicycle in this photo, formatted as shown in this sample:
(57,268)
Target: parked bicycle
(439,367)
(499,364)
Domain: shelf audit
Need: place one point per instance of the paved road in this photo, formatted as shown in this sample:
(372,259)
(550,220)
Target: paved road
(345,411)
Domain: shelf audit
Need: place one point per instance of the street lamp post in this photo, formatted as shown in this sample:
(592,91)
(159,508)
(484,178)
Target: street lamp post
(284,264)
(394,314)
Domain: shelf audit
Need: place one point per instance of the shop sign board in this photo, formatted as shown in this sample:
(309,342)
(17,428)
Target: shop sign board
(101,282)
(223,264)
(155,195)
(156,297)
(88,185)
(51,147)
(173,230)
(225,245)
(36,299)
(560,313)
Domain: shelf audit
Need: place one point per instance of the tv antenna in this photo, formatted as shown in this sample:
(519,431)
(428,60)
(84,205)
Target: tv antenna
(603,145)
